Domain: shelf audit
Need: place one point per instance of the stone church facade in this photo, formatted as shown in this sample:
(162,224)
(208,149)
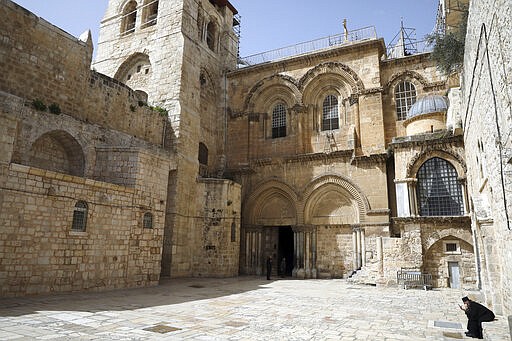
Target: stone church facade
(171,157)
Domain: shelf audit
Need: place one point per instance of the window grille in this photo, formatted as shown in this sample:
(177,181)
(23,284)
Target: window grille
(279,121)
(79,216)
(439,193)
(405,97)
(451,247)
(330,118)
(147,221)
(129,18)
(151,13)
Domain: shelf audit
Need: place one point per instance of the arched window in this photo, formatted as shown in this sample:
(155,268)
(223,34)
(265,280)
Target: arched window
(438,191)
(405,96)
(150,13)
(129,18)
(330,117)
(279,121)
(147,220)
(79,216)
(211,34)
(203,154)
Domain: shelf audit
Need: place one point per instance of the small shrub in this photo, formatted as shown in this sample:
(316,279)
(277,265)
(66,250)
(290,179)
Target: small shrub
(54,109)
(162,111)
(39,105)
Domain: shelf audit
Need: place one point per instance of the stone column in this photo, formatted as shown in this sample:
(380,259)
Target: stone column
(247,251)
(307,256)
(259,265)
(313,254)
(363,248)
(380,256)
(465,206)
(358,249)
(295,252)
(357,121)
(300,270)
(412,198)
(354,250)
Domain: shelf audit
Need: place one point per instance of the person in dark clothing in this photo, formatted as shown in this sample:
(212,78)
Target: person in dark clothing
(476,314)
(269,266)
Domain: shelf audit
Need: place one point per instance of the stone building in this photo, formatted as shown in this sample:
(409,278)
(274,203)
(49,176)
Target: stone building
(173,157)
(486,120)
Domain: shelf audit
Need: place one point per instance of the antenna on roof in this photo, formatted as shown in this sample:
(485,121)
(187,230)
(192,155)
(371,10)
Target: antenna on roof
(404,43)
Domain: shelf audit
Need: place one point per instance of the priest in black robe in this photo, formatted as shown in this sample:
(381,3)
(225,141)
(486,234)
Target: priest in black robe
(476,314)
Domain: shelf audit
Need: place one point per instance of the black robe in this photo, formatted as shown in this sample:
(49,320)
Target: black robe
(477,314)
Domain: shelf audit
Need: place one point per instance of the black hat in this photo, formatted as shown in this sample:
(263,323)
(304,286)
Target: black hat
(465,299)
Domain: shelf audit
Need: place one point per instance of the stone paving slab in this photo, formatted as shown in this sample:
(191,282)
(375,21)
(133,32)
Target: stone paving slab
(243,308)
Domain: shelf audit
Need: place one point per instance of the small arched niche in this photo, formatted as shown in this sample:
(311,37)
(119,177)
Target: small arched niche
(57,151)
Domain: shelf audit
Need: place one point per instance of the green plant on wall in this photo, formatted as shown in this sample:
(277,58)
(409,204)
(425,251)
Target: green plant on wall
(448,50)
(38,105)
(162,111)
(54,108)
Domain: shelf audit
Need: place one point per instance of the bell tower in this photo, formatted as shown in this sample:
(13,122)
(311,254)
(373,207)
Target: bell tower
(175,55)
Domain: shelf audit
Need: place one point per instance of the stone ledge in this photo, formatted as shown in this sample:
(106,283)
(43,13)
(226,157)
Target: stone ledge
(497,330)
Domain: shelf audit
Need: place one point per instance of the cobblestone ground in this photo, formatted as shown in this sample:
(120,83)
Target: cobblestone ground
(244,308)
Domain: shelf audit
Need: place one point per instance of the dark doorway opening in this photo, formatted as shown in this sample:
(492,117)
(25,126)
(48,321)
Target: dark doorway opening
(285,250)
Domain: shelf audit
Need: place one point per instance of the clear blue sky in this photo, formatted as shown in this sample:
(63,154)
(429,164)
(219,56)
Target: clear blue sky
(269,24)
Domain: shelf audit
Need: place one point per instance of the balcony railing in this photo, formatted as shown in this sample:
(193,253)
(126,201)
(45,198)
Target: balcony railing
(362,34)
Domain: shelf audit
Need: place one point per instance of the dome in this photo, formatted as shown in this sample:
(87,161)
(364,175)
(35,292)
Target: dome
(428,104)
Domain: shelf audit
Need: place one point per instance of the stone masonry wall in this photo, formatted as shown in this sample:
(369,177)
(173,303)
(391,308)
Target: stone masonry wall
(41,254)
(487,122)
(219,238)
(40,61)
(334,251)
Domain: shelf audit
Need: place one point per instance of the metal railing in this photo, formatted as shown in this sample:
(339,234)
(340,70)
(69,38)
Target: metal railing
(409,49)
(366,33)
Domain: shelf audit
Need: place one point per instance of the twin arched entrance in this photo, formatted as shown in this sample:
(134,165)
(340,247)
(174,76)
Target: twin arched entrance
(313,229)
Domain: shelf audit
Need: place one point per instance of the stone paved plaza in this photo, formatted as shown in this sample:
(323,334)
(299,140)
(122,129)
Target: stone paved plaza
(244,308)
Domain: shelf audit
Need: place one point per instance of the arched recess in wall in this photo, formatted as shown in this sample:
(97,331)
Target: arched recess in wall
(263,94)
(212,34)
(454,159)
(450,249)
(135,72)
(412,76)
(451,233)
(439,187)
(332,199)
(273,203)
(336,86)
(57,151)
(345,73)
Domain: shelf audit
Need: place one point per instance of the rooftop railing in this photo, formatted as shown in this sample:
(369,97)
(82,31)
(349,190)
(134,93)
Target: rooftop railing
(362,34)
(409,49)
